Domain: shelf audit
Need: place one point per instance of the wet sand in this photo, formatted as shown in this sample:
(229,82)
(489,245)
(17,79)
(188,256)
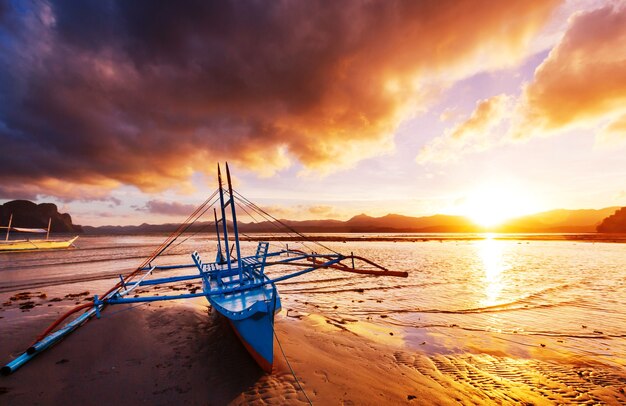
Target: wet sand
(161,354)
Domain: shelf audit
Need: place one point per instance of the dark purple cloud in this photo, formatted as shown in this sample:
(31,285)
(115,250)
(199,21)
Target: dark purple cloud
(168,208)
(144,93)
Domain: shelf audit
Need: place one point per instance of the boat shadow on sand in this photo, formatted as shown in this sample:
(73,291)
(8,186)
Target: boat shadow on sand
(155,354)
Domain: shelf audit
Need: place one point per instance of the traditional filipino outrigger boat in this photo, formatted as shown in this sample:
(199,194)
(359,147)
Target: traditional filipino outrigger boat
(28,244)
(236,286)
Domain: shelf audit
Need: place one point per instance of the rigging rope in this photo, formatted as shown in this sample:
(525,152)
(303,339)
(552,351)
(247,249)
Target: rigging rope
(212,223)
(258,209)
(291,369)
(181,229)
(270,221)
(242,207)
(204,227)
(158,251)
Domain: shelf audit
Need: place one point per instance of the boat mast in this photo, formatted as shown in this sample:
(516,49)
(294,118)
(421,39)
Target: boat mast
(234,215)
(49,223)
(223,220)
(220,258)
(9,227)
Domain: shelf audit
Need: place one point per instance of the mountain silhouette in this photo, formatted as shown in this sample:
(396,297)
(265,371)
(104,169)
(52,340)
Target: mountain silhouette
(31,215)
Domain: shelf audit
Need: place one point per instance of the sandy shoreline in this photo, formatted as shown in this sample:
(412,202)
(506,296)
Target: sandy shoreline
(164,354)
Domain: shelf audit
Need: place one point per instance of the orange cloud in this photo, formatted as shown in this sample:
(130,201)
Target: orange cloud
(584,77)
(614,133)
(88,190)
(476,133)
(148,93)
(582,82)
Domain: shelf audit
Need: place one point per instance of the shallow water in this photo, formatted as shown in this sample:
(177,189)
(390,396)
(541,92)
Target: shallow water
(486,297)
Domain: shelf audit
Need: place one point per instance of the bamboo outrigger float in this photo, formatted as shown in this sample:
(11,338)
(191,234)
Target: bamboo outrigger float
(236,286)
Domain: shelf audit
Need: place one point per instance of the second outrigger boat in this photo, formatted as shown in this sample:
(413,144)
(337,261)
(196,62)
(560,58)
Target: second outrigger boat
(34,244)
(236,286)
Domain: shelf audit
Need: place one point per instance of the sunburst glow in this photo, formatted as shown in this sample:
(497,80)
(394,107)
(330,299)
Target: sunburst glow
(492,204)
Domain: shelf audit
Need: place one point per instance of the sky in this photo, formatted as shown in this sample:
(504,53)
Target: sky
(119,111)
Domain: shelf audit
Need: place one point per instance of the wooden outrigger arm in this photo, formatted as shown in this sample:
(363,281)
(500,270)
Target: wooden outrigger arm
(343,267)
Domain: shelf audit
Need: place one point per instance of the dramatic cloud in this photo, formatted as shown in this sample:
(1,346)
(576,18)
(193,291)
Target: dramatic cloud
(147,93)
(477,133)
(582,82)
(584,77)
(168,208)
(614,133)
(64,191)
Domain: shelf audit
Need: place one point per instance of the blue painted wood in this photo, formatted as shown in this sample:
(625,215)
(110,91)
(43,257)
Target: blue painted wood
(223,219)
(167,267)
(231,201)
(218,258)
(169,280)
(250,311)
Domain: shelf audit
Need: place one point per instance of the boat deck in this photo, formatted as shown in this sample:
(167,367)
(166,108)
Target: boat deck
(243,303)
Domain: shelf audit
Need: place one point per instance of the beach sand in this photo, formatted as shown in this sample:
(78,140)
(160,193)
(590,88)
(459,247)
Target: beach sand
(185,354)
(163,354)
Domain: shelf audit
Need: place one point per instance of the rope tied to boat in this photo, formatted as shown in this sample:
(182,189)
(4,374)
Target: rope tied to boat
(291,369)
(274,295)
(273,220)
(184,226)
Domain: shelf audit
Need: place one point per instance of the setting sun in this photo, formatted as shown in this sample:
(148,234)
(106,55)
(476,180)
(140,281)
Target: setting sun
(491,205)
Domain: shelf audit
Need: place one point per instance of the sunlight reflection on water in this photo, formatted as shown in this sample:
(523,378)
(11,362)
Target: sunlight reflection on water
(490,252)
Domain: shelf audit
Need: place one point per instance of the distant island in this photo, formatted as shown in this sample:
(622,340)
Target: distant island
(31,215)
(607,220)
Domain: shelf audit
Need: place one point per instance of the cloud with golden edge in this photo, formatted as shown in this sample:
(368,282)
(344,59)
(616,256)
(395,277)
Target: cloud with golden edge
(581,83)
(583,79)
(613,133)
(95,190)
(147,93)
(476,133)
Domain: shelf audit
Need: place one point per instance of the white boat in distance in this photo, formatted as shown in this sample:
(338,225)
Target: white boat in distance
(28,244)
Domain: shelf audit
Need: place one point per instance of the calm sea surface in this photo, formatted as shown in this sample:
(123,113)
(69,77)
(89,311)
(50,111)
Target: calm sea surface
(460,296)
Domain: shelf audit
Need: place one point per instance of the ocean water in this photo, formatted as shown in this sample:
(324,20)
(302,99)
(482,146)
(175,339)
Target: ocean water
(509,299)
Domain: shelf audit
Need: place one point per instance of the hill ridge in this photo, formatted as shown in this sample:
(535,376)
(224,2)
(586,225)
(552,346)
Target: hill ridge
(552,221)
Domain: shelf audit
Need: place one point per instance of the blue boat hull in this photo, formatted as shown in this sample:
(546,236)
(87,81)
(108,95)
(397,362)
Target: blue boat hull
(257,336)
(251,316)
